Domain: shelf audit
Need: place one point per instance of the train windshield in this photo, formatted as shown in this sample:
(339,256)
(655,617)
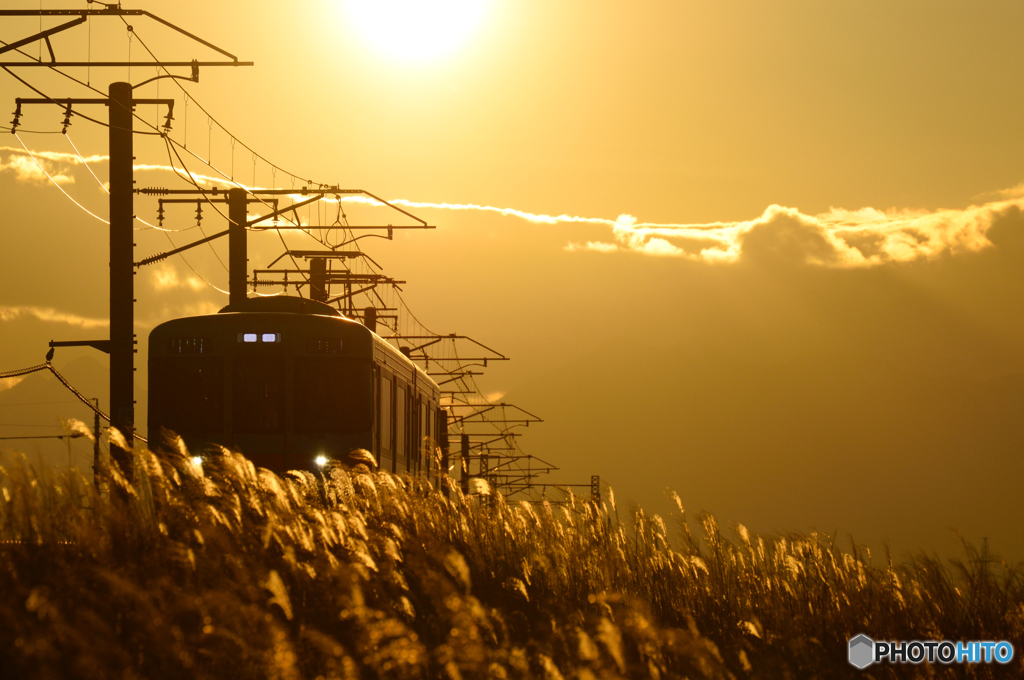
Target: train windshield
(188,394)
(258,394)
(332,395)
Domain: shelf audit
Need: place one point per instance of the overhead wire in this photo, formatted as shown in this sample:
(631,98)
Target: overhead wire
(202,194)
(211,121)
(173,145)
(348,238)
(64,381)
(98,122)
(77,113)
(210,116)
(43,170)
(102,185)
(32,132)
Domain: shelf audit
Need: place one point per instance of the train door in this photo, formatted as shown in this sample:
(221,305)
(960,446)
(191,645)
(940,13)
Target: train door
(385,426)
(423,446)
(401,423)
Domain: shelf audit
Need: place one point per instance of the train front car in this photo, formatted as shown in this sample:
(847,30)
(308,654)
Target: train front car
(289,383)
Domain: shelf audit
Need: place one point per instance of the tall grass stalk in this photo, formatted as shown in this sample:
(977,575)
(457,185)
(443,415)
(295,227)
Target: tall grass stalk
(228,571)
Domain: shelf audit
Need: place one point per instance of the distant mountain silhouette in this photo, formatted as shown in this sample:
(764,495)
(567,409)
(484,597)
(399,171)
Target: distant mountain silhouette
(824,439)
(37,404)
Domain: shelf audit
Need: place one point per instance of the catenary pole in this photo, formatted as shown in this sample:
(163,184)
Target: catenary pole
(238,263)
(122,272)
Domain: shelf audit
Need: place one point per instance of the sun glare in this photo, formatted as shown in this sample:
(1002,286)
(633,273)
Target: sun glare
(416,29)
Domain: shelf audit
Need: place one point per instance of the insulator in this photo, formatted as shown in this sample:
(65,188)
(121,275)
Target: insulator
(151,260)
(17,118)
(160,214)
(67,119)
(154,191)
(199,213)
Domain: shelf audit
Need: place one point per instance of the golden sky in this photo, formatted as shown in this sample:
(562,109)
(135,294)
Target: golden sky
(768,255)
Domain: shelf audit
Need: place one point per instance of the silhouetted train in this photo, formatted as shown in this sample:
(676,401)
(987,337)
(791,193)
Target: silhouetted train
(291,383)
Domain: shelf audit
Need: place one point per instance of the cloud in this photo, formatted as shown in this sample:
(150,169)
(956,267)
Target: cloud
(839,238)
(50,315)
(27,170)
(57,156)
(59,164)
(8,383)
(165,277)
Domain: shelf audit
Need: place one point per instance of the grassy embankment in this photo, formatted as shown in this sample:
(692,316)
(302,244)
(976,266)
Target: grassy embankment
(235,573)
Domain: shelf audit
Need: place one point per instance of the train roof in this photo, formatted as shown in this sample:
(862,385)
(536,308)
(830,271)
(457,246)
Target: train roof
(285,304)
(307,312)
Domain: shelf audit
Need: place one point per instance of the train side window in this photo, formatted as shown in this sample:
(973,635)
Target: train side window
(258,394)
(386,441)
(331,395)
(188,394)
(424,433)
(400,412)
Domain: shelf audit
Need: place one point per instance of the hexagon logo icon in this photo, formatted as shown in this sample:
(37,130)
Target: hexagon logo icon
(862,651)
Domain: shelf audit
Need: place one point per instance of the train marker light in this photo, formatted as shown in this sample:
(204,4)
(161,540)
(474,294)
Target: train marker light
(321,460)
(259,337)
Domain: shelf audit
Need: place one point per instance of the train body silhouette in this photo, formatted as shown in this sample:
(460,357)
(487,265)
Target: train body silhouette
(292,384)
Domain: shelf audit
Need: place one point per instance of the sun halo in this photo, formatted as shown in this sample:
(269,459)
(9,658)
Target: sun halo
(416,30)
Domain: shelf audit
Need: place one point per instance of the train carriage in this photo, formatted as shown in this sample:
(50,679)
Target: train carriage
(291,383)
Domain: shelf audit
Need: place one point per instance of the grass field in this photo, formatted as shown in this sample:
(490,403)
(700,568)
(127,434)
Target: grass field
(232,572)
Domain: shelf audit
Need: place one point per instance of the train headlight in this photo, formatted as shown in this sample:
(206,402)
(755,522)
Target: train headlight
(259,337)
(197,461)
(321,460)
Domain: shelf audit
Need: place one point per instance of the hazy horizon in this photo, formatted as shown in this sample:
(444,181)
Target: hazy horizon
(770,258)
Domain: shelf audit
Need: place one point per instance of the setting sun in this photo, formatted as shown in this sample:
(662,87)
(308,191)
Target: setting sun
(411,29)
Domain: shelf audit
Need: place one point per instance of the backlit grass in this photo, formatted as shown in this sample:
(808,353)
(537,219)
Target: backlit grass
(233,572)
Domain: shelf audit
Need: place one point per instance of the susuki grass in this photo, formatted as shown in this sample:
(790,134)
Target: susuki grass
(233,572)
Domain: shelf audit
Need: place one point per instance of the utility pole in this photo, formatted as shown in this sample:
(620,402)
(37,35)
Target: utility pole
(96,442)
(122,272)
(121,105)
(238,260)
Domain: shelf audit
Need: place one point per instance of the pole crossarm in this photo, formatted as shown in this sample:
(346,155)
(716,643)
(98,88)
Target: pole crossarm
(101,345)
(454,377)
(329,254)
(320,192)
(251,223)
(43,35)
(433,339)
(332,277)
(98,64)
(109,11)
(365,289)
(335,227)
(481,409)
(326,254)
(68,101)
